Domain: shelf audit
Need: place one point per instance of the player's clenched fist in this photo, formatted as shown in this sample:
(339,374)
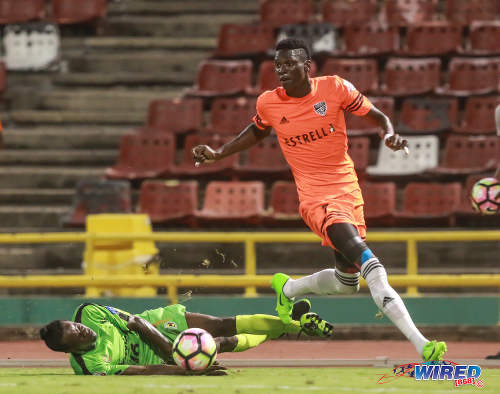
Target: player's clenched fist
(396,142)
(204,154)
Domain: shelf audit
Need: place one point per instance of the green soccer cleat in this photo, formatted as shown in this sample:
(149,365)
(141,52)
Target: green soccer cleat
(433,351)
(315,326)
(300,307)
(284,305)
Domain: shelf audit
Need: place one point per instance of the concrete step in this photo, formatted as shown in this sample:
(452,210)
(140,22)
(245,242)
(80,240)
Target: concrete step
(157,61)
(36,196)
(111,100)
(64,137)
(47,177)
(96,117)
(141,7)
(182,78)
(173,26)
(32,157)
(111,44)
(33,216)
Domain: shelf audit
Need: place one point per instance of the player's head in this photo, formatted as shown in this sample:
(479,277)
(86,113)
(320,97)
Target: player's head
(67,336)
(292,62)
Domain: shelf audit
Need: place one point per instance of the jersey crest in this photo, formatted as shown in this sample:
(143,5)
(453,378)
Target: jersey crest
(320,108)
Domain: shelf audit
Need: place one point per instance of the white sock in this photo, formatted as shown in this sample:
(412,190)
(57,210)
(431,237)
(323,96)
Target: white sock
(390,303)
(329,281)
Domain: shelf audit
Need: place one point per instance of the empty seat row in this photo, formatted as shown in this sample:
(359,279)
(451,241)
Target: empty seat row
(238,203)
(401,76)
(61,11)
(396,12)
(428,38)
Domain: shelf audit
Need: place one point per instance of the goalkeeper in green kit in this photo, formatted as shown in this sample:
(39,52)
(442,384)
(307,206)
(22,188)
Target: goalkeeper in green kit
(103,340)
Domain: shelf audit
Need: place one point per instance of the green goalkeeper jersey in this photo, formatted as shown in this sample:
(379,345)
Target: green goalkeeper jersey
(117,347)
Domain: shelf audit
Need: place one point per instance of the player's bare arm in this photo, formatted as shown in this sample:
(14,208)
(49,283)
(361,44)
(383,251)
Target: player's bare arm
(250,136)
(214,370)
(392,140)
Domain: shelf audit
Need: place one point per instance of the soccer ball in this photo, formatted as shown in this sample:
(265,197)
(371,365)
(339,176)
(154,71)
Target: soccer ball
(194,349)
(485,196)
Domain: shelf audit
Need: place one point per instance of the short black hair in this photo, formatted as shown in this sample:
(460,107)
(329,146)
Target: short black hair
(52,335)
(294,43)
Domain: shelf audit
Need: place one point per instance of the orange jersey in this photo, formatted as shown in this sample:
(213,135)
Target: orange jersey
(312,134)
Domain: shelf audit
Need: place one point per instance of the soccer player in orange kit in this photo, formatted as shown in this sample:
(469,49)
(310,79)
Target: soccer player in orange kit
(307,115)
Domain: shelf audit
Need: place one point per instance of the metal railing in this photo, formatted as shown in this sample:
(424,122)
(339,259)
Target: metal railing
(250,280)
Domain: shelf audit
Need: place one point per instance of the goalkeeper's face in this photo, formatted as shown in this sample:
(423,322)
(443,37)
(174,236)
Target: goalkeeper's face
(77,337)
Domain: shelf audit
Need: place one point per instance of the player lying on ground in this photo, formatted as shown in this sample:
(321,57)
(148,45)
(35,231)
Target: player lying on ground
(103,340)
(307,115)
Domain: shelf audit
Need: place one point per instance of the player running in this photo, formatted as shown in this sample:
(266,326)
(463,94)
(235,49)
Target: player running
(104,340)
(307,115)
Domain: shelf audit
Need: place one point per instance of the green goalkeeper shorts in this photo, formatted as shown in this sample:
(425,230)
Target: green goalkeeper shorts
(169,320)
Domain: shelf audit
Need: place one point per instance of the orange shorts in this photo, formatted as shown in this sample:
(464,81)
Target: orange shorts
(319,215)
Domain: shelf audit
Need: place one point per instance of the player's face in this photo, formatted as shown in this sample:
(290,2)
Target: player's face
(292,66)
(78,337)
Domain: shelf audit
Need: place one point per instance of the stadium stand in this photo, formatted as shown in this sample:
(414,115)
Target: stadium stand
(409,12)
(471,76)
(93,196)
(464,155)
(179,115)
(144,155)
(3,78)
(432,38)
(429,204)
(380,202)
(359,151)
(404,76)
(427,114)
(70,11)
(466,11)
(477,117)
(244,40)
(15,11)
(320,37)
(371,38)
(169,201)
(346,12)
(484,38)
(282,12)
(424,155)
(359,125)
(222,78)
(267,78)
(284,205)
(240,202)
(362,73)
(230,115)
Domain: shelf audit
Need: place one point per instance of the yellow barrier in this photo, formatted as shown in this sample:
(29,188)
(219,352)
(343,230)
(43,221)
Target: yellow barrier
(250,280)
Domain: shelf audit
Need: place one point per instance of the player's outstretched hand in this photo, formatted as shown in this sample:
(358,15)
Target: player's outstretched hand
(204,154)
(215,370)
(396,142)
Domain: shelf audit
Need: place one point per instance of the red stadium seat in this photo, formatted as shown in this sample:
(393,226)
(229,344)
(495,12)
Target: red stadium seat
(349,12)
(426,203)
(223,77)
(484,38)
(465,155)
(3,77)
(145,155)
(233,201)
(187,166)
(362,73)
(95,196)
(411,76)
(268,79)
(282,12)
(169,201)
(231,115)
(15,11)
(175,116)
(265,160)
(359,151)
(408,12)
(360,125)
(75,11)
(468,76)
(380,202)
(370,39)
(479,116)
(432,38)
(427,114)
(284,204)
(237,40)
(466,11)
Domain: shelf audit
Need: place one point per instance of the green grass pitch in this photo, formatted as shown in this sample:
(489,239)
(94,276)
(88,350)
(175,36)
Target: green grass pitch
(239,381)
